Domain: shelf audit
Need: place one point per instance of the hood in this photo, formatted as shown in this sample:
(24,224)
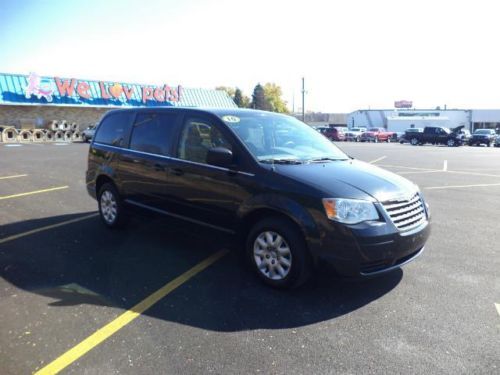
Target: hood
(350,179)
(457,129)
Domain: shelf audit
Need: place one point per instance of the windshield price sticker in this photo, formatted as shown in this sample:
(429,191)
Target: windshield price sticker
(232,119)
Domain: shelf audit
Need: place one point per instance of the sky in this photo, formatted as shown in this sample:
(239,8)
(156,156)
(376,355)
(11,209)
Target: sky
(354,54)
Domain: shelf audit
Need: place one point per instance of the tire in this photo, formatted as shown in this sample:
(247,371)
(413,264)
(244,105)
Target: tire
(451,143)
(414,141)
(375,140)
(388,140)
(291,254)
(111,207)
(357,139)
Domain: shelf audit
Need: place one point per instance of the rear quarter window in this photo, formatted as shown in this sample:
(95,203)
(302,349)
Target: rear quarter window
(152,133)
(114,129)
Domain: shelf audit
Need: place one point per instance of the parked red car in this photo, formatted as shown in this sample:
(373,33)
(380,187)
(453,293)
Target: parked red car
(333,133)
(376,135)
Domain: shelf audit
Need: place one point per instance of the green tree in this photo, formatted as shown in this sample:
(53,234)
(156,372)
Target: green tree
(273,95)
(238,98)
(242,101)
(259,99)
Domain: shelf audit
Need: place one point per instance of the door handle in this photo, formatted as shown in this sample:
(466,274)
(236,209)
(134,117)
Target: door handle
(177,171)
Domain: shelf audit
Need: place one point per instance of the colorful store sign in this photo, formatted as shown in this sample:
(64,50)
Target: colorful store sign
(72,91)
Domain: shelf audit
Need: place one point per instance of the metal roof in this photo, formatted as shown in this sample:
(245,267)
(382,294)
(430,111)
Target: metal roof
(31,89)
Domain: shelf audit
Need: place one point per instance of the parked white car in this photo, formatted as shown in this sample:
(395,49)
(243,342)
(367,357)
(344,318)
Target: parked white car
(354,134)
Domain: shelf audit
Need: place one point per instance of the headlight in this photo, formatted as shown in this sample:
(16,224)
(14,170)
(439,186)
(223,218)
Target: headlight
(349,211)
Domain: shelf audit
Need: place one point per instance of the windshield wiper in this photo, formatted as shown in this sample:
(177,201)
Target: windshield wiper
(324,159)
(281,161)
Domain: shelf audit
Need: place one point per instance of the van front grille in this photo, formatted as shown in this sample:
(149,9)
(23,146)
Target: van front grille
(406,214)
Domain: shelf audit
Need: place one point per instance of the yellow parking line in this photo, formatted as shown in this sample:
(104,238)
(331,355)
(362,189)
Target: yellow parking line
(33,192)
(112,327)
(15,176)
(33,231)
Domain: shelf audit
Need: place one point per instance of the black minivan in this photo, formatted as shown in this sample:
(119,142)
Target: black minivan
(290,194)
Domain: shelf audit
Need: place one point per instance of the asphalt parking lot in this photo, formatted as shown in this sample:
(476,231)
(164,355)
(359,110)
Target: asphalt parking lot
(78,297)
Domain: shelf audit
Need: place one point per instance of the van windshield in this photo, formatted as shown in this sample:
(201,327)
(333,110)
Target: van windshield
(278,138)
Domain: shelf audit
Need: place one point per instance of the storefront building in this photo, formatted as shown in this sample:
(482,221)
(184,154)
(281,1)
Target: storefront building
(34,101)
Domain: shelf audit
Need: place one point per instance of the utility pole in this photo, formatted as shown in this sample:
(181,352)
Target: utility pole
(303,99)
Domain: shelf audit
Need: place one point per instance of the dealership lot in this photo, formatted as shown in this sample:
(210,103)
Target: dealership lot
(65,277)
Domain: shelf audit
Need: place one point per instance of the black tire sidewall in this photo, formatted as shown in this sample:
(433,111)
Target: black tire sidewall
(300,257)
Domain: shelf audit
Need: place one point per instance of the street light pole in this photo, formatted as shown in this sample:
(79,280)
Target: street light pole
(303,99)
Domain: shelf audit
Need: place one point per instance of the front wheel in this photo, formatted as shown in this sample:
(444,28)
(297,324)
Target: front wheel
(110,206)
(414,141)
(451,142)
(278,254)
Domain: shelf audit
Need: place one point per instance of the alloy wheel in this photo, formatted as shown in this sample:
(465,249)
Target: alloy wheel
(272,255)
(109,208)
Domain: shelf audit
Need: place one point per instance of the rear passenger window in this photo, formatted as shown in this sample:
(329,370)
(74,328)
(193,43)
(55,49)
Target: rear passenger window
(114,129)
(152,133)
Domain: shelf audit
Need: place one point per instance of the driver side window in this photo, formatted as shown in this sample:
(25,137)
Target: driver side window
(197,137)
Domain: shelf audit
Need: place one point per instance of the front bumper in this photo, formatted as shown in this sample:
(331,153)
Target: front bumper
(479,141)
(370,249)
(368,138)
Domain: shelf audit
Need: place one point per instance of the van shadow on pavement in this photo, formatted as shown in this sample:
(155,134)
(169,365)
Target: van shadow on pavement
(85,263)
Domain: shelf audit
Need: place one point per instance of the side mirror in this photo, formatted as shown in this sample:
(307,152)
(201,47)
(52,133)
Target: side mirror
(220,157)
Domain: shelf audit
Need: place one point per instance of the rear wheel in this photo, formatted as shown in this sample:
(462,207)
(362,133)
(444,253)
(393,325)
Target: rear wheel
(451,142)
(414,141)
(278,254)
(110,206)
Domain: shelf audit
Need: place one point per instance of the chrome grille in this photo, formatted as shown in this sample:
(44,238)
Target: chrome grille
(406,214)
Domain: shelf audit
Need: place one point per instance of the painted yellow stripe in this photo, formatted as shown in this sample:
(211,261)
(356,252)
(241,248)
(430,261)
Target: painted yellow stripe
(33,192)
(42,229)
(105,332)
(14,176)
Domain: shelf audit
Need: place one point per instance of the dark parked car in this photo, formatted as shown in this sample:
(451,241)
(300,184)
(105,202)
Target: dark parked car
(408,132)
(333,133)
(437,135)
(483,137)
(292,197)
